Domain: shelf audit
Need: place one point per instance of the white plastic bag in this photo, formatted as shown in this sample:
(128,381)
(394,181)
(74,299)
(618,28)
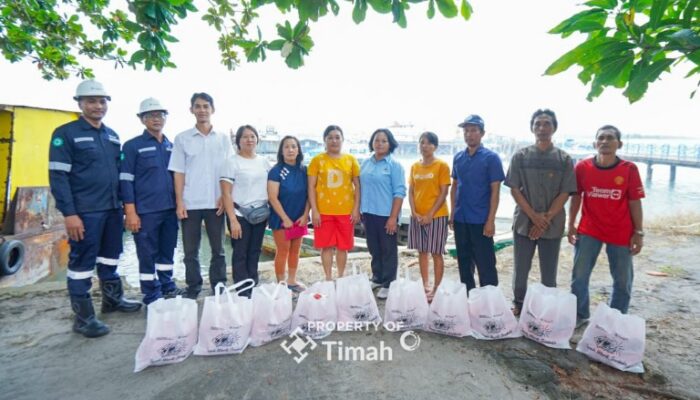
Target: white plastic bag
(272,313)
(548,316)
(355,302)
(407,306)
(316,313)
(449,311)
(615,339)
(490,314)
(171,333)
(226,321)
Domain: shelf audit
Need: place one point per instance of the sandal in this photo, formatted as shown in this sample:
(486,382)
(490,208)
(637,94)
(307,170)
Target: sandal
(297,287)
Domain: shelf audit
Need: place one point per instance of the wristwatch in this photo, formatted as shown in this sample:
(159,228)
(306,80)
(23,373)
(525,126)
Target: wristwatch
(639,232)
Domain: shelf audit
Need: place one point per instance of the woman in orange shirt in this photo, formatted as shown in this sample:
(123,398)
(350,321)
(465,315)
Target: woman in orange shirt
(428,183)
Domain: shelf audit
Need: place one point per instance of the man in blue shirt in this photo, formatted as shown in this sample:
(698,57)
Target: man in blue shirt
(477,174)
(84,179)
(148,194)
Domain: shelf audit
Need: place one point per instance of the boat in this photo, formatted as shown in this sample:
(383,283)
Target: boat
(33,241)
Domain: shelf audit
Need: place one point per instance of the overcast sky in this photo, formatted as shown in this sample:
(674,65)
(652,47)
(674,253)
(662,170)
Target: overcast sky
(367,76)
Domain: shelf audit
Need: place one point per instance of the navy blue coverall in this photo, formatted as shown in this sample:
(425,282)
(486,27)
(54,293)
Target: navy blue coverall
(84,179)
(146,182)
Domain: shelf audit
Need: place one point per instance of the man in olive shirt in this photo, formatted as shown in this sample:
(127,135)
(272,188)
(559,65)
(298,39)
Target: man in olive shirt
(541,178)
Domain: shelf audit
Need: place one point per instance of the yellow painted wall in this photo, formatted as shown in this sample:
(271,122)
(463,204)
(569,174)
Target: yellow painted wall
(31,134)
(5,136)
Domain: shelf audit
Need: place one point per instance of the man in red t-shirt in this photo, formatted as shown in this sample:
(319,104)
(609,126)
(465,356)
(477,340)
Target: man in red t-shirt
(611,191)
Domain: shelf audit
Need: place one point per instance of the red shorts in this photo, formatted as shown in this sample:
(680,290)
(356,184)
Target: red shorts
(335,231)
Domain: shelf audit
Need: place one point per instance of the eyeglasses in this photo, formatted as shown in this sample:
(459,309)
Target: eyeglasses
(155,115)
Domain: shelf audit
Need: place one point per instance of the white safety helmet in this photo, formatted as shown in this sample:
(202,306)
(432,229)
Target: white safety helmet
(150,104)
(90,87)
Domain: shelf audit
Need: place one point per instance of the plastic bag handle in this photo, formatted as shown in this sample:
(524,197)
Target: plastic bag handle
(217,294)
(275,293)
(354,268)
(242,286)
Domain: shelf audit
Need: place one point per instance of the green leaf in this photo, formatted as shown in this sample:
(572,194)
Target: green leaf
(295,59)
(431,9)
(381,6)
(586,21)
(334,7)
(466,10)
(284,5)
(642,74)
(399,13)
(606,4)
(658,8)
(359,12)
(447,8)
(694,57)
(276,44)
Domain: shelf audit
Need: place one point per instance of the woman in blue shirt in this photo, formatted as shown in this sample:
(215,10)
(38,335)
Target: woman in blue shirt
(383,184)
(287,194)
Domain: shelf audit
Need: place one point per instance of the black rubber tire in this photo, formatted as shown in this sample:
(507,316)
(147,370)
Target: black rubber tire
(11,257)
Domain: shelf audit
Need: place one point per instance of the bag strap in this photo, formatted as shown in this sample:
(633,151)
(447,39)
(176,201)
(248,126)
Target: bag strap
(220,287)
(242,286)
(276,292)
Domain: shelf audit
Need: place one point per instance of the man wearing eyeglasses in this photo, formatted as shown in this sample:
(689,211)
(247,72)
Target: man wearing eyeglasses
(147,190)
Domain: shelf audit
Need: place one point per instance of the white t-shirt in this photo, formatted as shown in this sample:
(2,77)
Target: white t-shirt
(249,179)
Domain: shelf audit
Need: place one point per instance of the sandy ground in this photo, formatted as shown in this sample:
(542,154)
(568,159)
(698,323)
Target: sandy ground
(41,358)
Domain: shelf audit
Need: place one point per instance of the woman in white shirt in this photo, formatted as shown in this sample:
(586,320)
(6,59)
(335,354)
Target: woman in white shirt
(244,195)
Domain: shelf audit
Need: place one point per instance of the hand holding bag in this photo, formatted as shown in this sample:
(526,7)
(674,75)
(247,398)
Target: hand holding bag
(226,321)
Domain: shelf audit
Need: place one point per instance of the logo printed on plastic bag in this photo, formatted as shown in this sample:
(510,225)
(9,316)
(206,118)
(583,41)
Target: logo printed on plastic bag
(609,345)
(493,326)
(539,330)
(171,349)
(228,339)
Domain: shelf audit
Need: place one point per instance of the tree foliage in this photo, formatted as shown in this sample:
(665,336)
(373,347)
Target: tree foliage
(631,43)
(58,36)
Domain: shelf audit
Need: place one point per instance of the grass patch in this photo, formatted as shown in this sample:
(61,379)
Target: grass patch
(673,271)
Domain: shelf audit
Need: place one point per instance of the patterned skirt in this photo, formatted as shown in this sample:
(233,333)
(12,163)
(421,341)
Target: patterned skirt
(428,238)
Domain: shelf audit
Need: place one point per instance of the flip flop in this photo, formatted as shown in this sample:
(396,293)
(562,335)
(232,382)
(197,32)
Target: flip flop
(297,288)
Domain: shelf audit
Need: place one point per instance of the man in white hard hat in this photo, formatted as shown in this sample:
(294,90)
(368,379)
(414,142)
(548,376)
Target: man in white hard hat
(148,193)
(84,178)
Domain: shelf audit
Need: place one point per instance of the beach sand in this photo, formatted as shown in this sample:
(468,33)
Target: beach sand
(41,358)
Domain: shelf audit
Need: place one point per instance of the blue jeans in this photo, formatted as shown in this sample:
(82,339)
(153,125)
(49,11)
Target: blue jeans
(585,254)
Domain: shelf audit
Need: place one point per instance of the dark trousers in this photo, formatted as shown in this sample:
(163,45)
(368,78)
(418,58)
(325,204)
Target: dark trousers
(475,248)
(523,252)
(155,248)
(100,247)
(246,252)
(383,249)
(191,238)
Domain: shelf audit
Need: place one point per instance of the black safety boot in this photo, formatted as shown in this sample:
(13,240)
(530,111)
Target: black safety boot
(86,323)
(113,298)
